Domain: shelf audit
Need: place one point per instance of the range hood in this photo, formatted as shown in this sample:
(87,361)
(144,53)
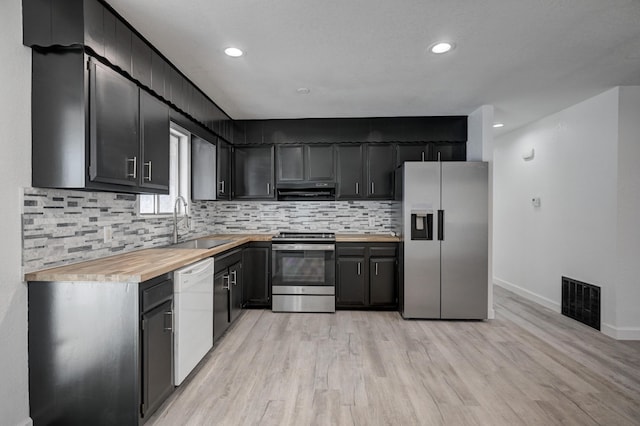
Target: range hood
(306,191)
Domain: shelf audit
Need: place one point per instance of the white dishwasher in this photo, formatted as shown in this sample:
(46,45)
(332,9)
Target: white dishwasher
(193,316)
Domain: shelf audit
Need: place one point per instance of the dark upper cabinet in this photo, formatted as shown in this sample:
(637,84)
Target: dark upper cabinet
(203,169)
(159,68)
(256,262)
(449,151)
(154,143)
(93,129)
(290,163)
(224,170)
(141,61)
(351,286)
(253,172)
(113,124)
(350,183)
(320,162)
(117,42)
(380,167)
(412,152)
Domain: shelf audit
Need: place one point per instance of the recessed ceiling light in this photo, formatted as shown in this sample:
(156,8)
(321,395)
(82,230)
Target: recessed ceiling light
(498,125)
(303,91)
(441,47)
(234,52)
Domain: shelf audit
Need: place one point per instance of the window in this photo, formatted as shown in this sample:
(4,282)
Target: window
(179,171)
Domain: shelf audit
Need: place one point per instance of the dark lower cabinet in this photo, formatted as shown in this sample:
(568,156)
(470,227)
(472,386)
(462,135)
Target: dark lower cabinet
(256,280)
(227,291)
(366,275)
(352,285)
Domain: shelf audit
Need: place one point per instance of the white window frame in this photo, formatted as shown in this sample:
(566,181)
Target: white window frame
(179,177)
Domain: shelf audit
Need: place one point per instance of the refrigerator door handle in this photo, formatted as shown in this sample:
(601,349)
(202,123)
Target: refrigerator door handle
(440,225)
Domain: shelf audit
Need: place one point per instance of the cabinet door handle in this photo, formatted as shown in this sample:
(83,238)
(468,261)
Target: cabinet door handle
(222,187)
(358,268)
(357,188)
(422,155)
(268,189)
(170,315)
(373,188)
(133,160)
(148,164)
(376,267)
(225,282)
(234,276)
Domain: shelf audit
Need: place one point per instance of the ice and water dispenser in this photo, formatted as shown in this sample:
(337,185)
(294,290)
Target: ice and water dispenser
(422,224)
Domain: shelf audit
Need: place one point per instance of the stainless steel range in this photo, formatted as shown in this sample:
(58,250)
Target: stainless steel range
(303,272)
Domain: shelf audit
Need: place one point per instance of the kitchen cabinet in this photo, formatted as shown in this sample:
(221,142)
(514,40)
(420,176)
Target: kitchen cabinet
(203,169)
(253,170)
(380,166)
(94,129)
(140,61)
(256,280)
(296,163)
(366,275)
(412,152)
(224,170)
(448,151)
(365,171)
(154,143)
(350,172)
(100,353)
(227,291)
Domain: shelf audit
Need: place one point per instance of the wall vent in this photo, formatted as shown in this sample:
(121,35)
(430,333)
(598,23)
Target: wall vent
(581,301)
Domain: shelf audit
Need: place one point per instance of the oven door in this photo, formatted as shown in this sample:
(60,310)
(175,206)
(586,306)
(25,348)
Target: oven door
(308,265)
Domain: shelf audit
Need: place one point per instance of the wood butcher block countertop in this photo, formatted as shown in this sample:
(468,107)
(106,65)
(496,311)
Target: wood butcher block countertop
(141,265)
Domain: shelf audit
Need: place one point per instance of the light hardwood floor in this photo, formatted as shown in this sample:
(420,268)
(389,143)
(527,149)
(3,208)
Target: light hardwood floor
(528,366)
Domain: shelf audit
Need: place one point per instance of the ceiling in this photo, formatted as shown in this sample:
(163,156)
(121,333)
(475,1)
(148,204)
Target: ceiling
(370,58)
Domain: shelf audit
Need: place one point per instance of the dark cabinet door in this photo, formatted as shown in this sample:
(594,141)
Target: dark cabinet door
(412,152)
(350,172)
(253,172)
(224,170)
(319,163)
(449,151)
(154,143)
(256,262)
(290,163)
(203,169)
(113,127)
(382,281)
(157,357)
(235,291)
(221,282)
(352,282)
(140,61)
(158,74)
(380,166)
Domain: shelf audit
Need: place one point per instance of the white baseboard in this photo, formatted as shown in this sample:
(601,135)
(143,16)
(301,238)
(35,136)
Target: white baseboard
(26,422)
(491,314)
(547,303)
(620,333)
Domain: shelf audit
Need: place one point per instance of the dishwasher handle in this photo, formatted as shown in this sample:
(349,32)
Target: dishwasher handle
(196,268)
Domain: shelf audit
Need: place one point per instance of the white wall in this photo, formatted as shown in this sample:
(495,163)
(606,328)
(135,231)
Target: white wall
(15,163)
(577,230)
(574,174)
(628,250)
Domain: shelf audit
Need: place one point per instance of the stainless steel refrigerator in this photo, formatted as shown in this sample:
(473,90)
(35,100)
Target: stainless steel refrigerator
(445,239)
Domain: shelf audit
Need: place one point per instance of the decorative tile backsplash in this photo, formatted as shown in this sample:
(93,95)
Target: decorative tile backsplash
(62,226)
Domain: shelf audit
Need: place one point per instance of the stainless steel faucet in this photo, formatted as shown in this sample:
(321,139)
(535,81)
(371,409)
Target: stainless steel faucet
(175,217)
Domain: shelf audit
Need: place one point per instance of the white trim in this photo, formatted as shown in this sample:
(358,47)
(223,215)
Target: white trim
(620,333)
(547,303)
(26,422)
(491,314)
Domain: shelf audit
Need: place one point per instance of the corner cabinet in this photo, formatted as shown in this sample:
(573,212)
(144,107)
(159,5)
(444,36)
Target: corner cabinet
(367,275)
(253,172)
(94,129)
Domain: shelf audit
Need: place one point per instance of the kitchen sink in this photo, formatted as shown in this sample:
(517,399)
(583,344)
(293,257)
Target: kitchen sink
(202,243)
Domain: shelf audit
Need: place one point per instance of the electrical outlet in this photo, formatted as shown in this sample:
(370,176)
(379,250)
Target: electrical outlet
(372,222)
(107,233)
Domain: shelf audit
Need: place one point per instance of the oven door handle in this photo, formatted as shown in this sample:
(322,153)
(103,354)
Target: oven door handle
(303,247)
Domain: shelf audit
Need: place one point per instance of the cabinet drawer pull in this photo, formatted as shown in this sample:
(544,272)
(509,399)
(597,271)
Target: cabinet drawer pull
(133,160)
(148,164)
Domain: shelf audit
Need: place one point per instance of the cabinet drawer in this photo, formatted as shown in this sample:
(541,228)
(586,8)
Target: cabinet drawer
(350,250)
(387,251)
(157,294)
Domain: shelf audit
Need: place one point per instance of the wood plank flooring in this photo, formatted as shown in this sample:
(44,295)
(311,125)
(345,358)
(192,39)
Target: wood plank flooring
(529,366)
